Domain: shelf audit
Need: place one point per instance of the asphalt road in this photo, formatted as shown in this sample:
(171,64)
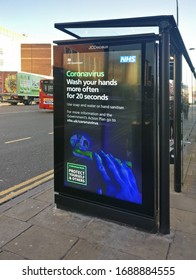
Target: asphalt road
(26,143)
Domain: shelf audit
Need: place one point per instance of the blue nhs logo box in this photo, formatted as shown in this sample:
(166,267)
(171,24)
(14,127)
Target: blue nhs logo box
(128,59)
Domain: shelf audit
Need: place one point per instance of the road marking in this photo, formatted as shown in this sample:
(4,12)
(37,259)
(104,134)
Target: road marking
(26,182)
(16,190)
(51,133)
(17,140)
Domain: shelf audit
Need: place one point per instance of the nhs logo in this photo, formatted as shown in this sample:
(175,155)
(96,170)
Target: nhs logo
(128,59)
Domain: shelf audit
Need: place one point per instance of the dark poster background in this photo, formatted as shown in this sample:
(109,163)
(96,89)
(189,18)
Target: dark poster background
(103,122)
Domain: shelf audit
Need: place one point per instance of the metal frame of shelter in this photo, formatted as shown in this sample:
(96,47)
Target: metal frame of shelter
(170,42)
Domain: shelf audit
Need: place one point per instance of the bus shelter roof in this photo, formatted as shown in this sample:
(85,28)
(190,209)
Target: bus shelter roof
(128,26)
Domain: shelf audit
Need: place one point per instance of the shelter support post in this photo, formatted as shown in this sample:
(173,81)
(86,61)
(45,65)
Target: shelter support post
(177,123)
(164,212)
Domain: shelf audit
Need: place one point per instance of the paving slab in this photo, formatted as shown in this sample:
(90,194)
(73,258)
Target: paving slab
(10,256)
(184,221)
(61,221)
(126,239)
(26,209)
(183,202)
(114,254)
(47,196)
(183,247)
(192,170)
(35,191)
(85,250)
(41,244)
(192,191)
(10,228)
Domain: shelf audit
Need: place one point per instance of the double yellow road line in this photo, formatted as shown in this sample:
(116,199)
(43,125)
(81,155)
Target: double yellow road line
(16,190)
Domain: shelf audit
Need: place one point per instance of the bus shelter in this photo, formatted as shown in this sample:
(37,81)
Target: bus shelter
(119,99)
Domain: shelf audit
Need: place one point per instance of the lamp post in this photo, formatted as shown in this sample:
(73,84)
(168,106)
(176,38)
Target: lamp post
(177,11)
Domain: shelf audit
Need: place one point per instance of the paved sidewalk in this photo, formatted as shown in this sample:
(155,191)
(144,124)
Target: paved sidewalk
(33,228)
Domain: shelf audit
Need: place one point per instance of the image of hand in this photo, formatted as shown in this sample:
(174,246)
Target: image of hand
(117,178)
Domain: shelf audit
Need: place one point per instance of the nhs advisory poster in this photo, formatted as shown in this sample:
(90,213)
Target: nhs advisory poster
(103,111)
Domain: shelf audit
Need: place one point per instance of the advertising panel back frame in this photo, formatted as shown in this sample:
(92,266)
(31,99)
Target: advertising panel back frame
(66,201)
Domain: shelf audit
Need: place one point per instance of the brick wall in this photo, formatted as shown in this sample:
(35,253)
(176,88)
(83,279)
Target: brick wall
(36,58)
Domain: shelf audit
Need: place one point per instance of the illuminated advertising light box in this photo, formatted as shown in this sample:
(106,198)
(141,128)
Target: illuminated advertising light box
(104,124)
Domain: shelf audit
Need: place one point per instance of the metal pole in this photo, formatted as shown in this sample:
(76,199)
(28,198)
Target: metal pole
(177,123)
(164,131)
(192,88)
(177,11)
